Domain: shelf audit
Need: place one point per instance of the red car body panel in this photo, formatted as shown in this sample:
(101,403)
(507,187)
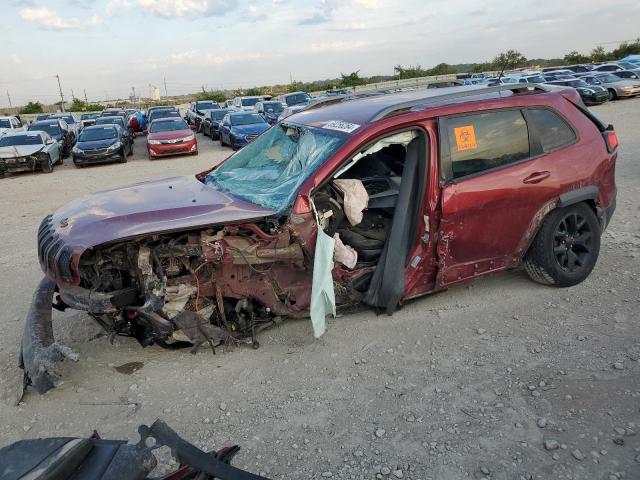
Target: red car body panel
(167,205)
(171,148)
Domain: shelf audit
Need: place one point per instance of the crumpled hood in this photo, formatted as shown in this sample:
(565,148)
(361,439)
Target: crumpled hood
(172,204)
(252,129)
(19,151)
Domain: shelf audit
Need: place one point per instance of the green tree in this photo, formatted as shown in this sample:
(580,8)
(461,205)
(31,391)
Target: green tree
(214,95)
(574,57)
(442,69)
(509,59)
(409,72)
(32,107)
(598,54)
(626,48)
(352,79)
(80,106)
(482,67)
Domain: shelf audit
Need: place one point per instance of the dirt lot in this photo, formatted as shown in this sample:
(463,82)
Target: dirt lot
(469,383)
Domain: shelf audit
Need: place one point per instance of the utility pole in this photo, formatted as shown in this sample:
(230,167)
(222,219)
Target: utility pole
(61,95)
(203,90)
(9,97)
(73,97)
(166,94)
(85,96)
(290,79)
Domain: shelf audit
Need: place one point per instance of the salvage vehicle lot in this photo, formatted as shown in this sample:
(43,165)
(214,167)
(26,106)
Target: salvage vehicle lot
(449,387)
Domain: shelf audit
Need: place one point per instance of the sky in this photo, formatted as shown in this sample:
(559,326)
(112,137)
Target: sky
(106,47)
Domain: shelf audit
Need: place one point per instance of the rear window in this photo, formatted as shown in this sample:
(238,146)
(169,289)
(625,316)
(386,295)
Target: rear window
(168,125)
(552,131)
(20,140)
(476,143)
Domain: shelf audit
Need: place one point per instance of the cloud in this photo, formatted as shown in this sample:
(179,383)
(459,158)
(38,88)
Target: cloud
(187,8)
(338,46)
(326,9)
(371,4)
(51,20)
(315,19)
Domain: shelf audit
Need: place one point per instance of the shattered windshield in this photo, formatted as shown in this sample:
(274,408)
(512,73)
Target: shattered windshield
(270,170)
(18,140)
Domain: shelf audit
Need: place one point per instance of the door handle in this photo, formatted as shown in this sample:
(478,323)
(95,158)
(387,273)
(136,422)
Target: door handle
(536,177)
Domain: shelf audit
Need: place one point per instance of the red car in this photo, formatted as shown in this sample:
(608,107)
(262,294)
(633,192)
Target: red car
(170,136)
(373,201)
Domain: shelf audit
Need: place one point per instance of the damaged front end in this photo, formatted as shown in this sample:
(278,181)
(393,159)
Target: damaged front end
(212,287)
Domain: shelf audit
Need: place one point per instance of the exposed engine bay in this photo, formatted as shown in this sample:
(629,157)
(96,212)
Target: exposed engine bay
(223,285)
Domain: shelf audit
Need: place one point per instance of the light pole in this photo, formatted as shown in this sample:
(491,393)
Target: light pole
(61,95)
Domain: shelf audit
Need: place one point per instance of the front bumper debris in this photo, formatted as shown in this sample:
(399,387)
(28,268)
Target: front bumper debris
(39,352)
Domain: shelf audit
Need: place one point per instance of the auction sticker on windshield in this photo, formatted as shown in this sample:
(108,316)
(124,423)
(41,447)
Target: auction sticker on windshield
(341,126)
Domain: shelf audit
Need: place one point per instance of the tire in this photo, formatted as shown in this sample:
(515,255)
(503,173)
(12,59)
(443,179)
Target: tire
(47,167)
(612,94)
(221,141)
(131,150)
(123,156)
(566,247)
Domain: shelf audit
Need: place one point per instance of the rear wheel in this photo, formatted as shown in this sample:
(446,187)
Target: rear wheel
(131,150)
(612,94)
(566,248)
(123,156)
(221,141)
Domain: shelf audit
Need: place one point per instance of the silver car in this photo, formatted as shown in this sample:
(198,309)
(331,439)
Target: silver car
(27,152)
(616,86)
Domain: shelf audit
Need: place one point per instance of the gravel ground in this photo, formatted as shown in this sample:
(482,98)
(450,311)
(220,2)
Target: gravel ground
(501,379)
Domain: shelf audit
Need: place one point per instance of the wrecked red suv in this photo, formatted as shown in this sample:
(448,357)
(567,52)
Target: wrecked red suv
(355,201)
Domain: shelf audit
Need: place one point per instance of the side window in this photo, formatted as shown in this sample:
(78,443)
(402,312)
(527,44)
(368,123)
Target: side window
(551,129)
(474,143)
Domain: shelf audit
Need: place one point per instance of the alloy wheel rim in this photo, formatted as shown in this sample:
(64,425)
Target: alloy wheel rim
(573,243)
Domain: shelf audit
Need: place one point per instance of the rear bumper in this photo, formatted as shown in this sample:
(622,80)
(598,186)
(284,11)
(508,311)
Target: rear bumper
(628,93)
(164,150)
(596,98)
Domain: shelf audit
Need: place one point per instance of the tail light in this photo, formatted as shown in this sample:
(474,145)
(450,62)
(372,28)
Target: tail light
(611,139)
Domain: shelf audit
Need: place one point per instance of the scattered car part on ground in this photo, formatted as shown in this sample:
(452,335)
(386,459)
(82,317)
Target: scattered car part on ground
(102,143)
(170,136)
(211,122)
(213,259)
(95,458)
(240,128)
(28,151)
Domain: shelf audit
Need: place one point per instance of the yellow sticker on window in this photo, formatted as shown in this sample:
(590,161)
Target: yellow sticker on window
(465,138)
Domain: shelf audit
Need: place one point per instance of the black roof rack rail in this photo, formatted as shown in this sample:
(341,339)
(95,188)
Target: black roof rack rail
(466,92)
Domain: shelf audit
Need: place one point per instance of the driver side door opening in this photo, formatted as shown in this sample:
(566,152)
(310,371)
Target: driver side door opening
(371,207)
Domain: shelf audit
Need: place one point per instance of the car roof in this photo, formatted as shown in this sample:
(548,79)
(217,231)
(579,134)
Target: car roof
(48,121)
(6,117)
(19,133)
(102,125)
(367,108)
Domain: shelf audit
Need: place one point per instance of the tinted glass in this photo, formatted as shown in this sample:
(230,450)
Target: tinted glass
(218,114)
(5,123)
(93,134)
(18,140)
(110,121)
(272,107)
(246,119)
(297,99)
(481,142)
(206,105)
(249,102)
(553,131)
(168,125)
(52,130)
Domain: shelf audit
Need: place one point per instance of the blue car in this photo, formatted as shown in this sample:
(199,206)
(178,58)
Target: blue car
(239,128)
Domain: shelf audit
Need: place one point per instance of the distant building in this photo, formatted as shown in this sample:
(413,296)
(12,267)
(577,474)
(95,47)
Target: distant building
(154,92)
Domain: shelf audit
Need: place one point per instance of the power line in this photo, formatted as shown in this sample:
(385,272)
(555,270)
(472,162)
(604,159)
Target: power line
(61,95)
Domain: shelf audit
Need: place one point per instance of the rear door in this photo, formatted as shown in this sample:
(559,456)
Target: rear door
(496,179)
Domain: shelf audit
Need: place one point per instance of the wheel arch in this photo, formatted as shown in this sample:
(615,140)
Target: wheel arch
(587,195)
